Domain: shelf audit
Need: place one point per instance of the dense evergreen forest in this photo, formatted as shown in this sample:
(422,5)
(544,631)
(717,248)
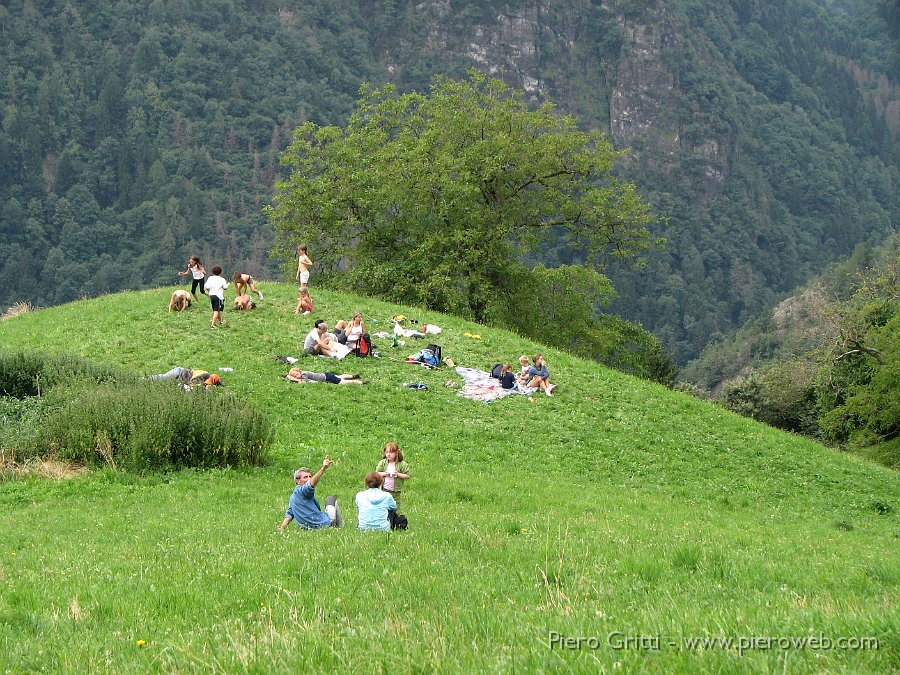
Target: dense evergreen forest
(136,134)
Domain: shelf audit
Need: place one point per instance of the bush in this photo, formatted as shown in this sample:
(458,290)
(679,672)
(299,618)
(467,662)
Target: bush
(25,374)
(81,412)
(151,426)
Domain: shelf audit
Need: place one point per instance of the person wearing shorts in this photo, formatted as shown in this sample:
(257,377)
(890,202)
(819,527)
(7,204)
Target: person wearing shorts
(318,342)
(215,288)
(303,265)
(298,375)
(242,282)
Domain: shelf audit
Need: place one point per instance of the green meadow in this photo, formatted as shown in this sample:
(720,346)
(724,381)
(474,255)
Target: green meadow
(610,528)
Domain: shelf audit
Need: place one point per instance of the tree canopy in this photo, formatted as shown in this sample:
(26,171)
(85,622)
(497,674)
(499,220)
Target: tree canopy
(432,199)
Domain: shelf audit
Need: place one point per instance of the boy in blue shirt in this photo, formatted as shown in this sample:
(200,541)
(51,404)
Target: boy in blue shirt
(304,507)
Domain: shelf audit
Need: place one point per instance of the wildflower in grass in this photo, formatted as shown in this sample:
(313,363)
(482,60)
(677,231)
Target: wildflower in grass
(141,643)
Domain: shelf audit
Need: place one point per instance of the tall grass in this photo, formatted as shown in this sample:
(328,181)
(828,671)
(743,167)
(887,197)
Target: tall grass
(615,507)
(73,410)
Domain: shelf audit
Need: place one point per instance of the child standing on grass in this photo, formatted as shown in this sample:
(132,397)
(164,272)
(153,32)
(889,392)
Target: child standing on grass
(303,264)
(198,274)
(215,288)
(393,469)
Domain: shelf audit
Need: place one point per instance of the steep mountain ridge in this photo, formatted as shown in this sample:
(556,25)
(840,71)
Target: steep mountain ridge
(764,133)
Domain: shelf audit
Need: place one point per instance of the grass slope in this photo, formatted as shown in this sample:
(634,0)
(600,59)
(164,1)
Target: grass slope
(616,509)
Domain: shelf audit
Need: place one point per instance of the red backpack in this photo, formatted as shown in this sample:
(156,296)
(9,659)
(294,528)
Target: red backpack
(363,346)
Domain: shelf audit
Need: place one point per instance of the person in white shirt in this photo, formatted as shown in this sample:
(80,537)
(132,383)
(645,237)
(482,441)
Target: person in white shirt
(215,288)
(318,341)
(198,274)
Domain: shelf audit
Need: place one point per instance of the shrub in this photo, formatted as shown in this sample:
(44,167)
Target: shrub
(151,426)
(74,410)
(30,374)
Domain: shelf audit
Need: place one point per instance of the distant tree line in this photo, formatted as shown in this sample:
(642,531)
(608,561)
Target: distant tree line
(828,367)
(135,134)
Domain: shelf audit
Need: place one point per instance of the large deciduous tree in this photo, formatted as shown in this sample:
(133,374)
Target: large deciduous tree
(434,199)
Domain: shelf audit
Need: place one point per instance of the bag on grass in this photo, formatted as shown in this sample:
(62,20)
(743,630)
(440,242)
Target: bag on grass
(496,370)
(363,346)
(397,521)
(436,350)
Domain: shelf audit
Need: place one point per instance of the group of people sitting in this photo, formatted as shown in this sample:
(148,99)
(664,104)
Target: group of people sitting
(376,505)
(533,374)
(340,341)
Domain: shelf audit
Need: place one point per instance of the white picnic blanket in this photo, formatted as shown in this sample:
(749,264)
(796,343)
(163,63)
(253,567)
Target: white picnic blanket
(340,351)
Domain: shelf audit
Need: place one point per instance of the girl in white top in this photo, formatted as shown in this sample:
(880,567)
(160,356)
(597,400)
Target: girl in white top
(198,274)
(354,330)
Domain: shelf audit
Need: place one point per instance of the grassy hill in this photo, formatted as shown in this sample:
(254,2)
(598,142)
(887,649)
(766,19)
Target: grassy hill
(616,511)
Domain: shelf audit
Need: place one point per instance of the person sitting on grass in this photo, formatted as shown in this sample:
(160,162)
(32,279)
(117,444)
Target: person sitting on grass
(302,376)
(374,504)
(304,303)
(524,368)
(181,300)
(190,377)
(244,303)
(303,506)
(540,375)
(355,329)
(318,341)
(507,377)
(340,331)
(244,281)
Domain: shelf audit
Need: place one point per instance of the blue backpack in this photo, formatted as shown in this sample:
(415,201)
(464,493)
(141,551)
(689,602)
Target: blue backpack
(428,357)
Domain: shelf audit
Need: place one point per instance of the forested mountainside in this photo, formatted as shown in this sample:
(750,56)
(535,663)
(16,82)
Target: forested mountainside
(136,134)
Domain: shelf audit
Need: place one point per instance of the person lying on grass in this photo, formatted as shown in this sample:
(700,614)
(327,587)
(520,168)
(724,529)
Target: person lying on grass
(374,504)
(190,377)
(303,506)
(181,300)
(302,376)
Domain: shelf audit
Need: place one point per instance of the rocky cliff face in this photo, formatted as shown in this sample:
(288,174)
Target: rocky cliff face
(598,61)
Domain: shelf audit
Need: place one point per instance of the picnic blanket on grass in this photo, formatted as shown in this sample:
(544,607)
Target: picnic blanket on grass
(478,385)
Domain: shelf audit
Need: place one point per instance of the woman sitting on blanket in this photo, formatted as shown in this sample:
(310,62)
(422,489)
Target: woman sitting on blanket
(540,375)
(507,377)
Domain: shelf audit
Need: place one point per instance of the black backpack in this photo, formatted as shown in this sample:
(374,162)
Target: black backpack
(496,370)
(436,350)
(363,346)
(397,521)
